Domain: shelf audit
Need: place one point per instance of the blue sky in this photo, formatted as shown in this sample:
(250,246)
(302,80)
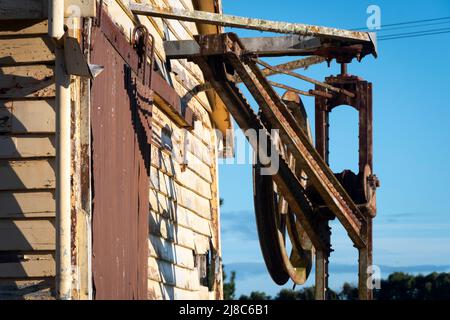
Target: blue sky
(411,143)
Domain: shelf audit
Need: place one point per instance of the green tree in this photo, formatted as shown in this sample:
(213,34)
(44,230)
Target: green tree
(229,288)
(256,296)
(398,286)
(348,292)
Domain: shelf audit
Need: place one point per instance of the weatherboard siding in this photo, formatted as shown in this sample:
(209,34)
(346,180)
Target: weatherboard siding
(27,151)
(183,219)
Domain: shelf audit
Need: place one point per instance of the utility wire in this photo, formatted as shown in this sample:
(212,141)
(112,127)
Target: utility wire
(405,23)
(412,33)
(383,29)
(415,24)
(393,37)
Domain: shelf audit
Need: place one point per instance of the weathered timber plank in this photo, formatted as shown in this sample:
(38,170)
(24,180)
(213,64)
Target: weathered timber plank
(198,166)
(27,204)
(27,235)
(167,229)
(38,9)
(173,275)
(161,204)
(193,202)
(15,51)
(162,183)
(27,116)
(162,121)
(161,291)
(34,81)
(178,214)
(23,9)
(12,147)
(170,252)
(23,27)
(17,266)
(22,175)
(185,177)
(162,160)
(40,289)
(193,221)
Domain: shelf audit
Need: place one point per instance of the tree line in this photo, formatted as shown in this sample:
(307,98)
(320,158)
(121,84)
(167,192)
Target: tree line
(398,286)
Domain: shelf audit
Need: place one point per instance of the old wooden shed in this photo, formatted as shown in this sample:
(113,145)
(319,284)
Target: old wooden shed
(144,205)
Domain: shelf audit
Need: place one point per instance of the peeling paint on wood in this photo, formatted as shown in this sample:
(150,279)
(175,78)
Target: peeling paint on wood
(173,275)
(27,116)
(14,51)
(170,252)
(27,82)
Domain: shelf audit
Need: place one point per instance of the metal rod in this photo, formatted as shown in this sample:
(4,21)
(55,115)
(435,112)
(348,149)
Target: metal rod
(343,69)
(293,65)
(319,93)
(282,86)
(246,23)
(305,78)
(310,93)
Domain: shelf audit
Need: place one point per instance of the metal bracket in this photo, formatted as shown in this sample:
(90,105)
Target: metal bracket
(75,60)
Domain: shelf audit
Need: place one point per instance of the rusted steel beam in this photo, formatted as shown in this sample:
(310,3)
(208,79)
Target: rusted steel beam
(305,78)
(247,23)
(310,93)
(288,88)
(293,65)
(293,45)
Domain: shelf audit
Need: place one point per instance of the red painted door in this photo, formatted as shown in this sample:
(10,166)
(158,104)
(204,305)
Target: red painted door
(120,178)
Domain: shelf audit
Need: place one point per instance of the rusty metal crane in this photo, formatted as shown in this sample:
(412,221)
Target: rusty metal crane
(295,204)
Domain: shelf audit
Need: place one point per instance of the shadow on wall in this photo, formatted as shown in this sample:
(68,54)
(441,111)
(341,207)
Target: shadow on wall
(26,258)
(26,254)
(158,269)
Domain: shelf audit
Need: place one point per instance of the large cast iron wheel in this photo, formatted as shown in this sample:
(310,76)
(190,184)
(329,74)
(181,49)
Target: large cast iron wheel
(278,228)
